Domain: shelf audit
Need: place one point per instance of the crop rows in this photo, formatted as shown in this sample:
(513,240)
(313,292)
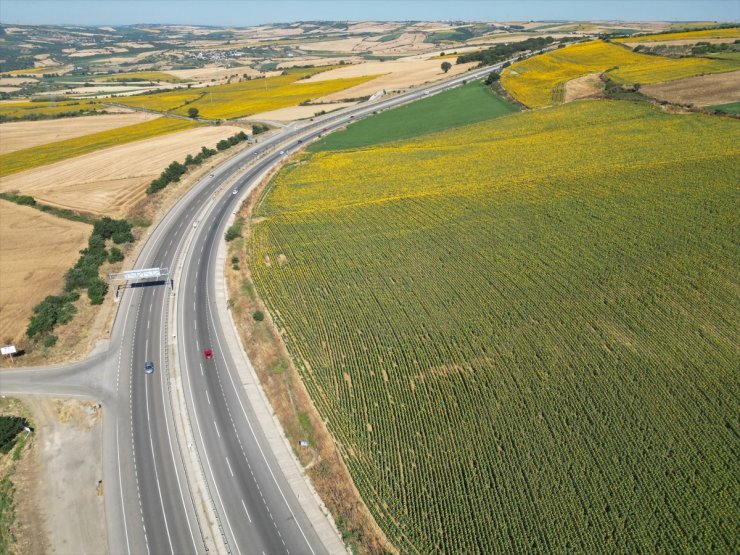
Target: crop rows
(521,348)
(244,98)
(537,80)
(48,153)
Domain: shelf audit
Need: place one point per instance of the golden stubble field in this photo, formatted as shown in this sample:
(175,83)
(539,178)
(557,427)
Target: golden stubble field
(17,135)
(703,90)
(397,74)
(35,251)
(110,181)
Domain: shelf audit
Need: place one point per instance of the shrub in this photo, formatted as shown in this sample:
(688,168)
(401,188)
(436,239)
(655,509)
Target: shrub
(115,255)
(10,427)
(53,310)
(258,316)
(235,230)
(96,290)
(50,340)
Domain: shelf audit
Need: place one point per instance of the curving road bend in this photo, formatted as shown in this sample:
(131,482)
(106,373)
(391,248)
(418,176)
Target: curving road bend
(151,501)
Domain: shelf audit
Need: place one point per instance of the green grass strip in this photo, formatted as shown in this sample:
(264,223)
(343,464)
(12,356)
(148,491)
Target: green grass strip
(731,108)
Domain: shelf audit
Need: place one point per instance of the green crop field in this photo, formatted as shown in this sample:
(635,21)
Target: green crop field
(463,105)
(731,108)
(523,333)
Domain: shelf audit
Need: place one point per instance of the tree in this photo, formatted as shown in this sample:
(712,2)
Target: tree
(446,66)
(492,78)
(193,113)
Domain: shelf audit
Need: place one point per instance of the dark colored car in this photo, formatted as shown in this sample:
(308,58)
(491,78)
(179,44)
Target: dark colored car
(208,353)
(148,367)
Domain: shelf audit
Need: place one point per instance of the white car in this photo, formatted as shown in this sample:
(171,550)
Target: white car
(235,191)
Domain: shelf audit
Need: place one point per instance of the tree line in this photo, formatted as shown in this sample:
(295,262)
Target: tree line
(500,52)
(175,170)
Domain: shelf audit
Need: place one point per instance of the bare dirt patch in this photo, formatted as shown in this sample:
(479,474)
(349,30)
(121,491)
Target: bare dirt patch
(68,472)
(35,251)
(587,86)
(395,75)
(111,181)
(703,90)
(18,135)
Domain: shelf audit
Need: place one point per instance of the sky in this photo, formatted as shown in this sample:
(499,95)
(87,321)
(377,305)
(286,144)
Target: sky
(243,13)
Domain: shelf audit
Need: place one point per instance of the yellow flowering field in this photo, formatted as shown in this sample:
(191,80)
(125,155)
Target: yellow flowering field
(539,81)
(658,69)
(48,108)
(246,97)
(729,32)
(32,71)
(522,333)
(25,159)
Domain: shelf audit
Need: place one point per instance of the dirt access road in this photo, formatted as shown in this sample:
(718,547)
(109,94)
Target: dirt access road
(64,504)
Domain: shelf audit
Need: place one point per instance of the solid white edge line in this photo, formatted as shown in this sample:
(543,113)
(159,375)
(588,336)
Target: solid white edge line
(120,488)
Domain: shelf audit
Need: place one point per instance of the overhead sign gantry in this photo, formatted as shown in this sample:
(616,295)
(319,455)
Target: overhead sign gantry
(139,276)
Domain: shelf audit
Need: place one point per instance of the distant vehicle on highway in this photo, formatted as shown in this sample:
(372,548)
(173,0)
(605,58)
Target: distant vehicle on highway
(148,367)
(282,152)
(211,175)
(235,191)
(208,353)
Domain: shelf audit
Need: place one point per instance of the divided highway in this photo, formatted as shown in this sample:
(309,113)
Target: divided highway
(151,484)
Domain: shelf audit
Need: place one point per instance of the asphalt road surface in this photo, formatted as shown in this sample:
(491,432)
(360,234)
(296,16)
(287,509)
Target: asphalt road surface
(150,498)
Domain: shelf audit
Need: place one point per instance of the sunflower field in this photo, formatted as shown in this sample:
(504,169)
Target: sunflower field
(538,81)
(522,333)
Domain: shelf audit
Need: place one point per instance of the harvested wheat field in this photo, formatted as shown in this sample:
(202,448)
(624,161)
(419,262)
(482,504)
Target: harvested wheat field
(35,251)
(292,113)
(353,44)
(18,135)
(211,72)
(588,86)
(704,90)
(318,62)
(110,181)
(399,74)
